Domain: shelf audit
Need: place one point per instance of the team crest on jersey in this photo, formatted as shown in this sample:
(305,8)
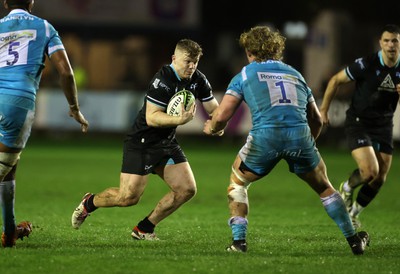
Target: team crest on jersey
(360,62)
(193,86)
(387,84)
(156,82)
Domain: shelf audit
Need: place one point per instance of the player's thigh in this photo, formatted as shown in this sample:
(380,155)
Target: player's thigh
(241,174)
(317,178)
(385,162)
(360,142)
(366,159)
(132,185)
(179,177)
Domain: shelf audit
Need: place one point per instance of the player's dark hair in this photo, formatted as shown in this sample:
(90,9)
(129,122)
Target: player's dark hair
(191,47)
(22,4)
(391,28)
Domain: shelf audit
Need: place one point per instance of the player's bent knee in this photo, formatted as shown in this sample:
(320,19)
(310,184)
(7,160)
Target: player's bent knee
(192,191)
(238,193)
(7,161)
(237,190)
(4,170)
(128,201)
(189,193)
(368,174)
(133,202)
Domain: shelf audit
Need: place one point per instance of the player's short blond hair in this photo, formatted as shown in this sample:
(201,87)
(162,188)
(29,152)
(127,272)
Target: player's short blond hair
(192,48)
(263,43)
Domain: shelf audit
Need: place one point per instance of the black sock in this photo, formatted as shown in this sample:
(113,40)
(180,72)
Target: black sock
(353,239)
(89,205)
(366,195)
(355,179)
(146,226)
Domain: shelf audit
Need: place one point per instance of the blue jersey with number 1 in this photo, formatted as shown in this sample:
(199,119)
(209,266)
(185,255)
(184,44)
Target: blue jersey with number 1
(276,93)
(25,40)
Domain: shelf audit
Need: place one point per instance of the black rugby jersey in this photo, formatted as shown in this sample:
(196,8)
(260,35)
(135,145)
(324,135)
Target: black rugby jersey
(162,87)
(375,97)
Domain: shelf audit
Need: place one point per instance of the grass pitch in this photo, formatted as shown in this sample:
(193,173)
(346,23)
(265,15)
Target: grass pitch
(289,231)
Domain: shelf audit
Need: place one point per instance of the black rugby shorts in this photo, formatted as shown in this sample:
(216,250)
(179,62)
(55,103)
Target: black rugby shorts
(143,161)
(362,135)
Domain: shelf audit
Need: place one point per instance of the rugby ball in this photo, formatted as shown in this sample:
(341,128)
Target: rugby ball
(174,107)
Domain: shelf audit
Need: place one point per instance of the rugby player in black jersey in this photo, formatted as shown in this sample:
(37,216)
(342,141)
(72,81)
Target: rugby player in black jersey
(369,119)
(151,146)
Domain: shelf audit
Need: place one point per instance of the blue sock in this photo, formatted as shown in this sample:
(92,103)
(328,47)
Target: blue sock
(239,227)
(7,194)
(336,209)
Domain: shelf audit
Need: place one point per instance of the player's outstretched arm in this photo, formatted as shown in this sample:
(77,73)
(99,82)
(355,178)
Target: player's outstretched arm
(330,92)
(60,60)
(222,115)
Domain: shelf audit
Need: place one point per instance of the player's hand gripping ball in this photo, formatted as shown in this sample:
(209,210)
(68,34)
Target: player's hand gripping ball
(174,107)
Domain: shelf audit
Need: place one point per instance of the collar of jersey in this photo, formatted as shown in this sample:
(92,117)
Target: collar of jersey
(177,76)
(383,63)
(18,11)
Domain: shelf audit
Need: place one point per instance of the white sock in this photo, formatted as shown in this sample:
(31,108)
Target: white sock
(346,187)
(356,209)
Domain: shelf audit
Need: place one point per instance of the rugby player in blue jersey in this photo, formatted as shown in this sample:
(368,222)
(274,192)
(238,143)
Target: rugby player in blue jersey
(286,122)
(369,119)
(25,41)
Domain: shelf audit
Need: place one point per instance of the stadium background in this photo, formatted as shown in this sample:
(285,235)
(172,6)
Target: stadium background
(117,46)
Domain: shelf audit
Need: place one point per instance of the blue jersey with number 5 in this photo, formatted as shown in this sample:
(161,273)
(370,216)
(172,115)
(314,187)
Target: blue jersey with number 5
(25,40)
(276,94)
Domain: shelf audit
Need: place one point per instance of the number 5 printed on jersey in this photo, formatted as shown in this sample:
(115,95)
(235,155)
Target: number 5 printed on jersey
(14,47)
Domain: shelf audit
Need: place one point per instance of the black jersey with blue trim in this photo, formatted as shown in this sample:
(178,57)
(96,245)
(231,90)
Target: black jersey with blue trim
(162,87)
(375,98)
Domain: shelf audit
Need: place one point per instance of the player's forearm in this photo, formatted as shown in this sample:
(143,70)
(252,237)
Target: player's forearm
(315,127)
(69,87)
(161,119)
(330,92)
(328,97)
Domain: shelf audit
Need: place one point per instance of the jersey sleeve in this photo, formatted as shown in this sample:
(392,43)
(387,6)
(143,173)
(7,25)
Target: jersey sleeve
(55,42)
(235,86)
(355,70)
(157,93)
(310,96)
(205,89)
